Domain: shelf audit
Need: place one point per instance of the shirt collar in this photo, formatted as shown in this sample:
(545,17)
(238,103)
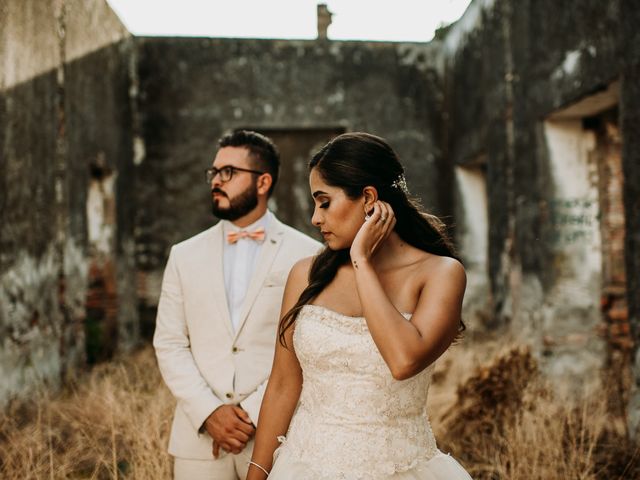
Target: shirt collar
(263,222)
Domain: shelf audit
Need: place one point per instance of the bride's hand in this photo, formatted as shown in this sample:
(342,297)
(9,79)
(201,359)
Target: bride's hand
(373,232)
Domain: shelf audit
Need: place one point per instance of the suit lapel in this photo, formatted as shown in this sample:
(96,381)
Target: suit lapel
(218,291)
(270,247)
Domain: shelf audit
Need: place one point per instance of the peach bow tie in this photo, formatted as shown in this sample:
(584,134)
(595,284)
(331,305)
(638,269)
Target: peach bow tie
(257,235)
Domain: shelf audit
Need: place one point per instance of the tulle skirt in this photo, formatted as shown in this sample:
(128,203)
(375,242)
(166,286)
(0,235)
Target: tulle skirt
(439,467)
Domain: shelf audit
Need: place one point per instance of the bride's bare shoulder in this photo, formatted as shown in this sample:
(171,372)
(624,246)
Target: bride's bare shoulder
(299,273)
(301,267)
(441,268)
(297,281)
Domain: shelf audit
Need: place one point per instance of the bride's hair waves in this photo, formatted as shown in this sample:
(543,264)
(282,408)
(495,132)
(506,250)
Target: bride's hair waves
(353,161)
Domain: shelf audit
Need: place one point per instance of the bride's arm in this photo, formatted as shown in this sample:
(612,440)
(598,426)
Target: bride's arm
(285,383)
(408,347)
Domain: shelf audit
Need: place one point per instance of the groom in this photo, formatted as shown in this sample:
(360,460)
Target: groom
(218,312)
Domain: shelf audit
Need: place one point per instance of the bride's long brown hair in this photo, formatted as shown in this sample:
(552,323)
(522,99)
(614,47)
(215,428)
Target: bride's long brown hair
(353,161)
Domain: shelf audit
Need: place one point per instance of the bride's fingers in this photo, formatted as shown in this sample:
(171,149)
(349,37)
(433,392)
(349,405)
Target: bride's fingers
(382,216)
(375,216)
(382,210)
(387,208)
(392,224)
(386,218)
(386,213)
(390,214)
(379,221)
(388,227)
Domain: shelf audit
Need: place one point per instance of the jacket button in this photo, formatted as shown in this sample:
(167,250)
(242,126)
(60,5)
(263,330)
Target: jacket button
(234,349)
(229,395)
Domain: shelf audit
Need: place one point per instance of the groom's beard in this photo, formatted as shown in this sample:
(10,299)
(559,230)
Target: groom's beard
(238,207)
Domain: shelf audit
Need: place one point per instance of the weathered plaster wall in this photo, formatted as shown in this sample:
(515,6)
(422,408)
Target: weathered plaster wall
(569,314)
(99,153)
(472,238)
(511,66)
(476,100)
(63,104)
(630,125)
(191,90)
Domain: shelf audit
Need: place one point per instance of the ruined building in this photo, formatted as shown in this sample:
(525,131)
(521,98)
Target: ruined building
(520,123)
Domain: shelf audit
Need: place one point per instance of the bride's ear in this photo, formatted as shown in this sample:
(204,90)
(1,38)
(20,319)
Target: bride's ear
(370,196)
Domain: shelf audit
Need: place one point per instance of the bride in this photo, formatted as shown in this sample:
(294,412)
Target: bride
(362,325)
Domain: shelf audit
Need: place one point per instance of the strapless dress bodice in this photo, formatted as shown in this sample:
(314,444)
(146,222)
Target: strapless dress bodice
(354,420)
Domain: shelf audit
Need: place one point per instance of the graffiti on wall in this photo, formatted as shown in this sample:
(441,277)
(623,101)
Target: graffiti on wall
(573,220)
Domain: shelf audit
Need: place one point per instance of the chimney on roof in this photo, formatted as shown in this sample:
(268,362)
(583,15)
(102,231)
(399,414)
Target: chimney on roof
(324,20)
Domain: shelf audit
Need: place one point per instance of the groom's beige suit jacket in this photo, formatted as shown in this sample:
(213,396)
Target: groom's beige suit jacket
(203,360)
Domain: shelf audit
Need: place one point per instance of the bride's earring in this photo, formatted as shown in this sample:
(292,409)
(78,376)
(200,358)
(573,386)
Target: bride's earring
(368,215)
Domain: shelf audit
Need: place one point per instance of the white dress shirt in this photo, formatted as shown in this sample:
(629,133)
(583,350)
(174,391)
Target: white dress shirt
(239,264)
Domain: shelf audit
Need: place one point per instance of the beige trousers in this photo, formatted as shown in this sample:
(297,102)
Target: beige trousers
(226,467)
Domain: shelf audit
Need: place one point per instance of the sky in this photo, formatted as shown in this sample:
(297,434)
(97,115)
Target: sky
(382,20)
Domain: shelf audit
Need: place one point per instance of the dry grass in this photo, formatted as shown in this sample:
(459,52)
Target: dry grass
(489,406)
(500,418)
(113,424)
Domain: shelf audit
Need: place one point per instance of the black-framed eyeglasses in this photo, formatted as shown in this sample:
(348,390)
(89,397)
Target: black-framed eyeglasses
(226,173)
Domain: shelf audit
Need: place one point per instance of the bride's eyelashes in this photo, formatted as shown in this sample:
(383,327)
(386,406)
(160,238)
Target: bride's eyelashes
(324,205)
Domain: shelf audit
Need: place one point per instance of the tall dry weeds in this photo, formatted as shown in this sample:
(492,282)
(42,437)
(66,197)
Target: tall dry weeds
(113,424)
(506,423)
(490,408)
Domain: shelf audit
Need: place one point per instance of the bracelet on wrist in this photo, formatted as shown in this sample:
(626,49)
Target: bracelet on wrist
(251,462)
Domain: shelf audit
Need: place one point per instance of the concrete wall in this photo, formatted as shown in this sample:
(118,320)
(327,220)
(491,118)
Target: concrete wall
(525,82)
(63,110)
(630,125)
(193,89)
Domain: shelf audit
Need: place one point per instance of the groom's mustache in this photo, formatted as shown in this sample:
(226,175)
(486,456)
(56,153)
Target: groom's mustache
(217,190)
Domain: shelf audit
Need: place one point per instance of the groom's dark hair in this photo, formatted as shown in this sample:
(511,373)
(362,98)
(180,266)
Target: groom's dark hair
(263,152)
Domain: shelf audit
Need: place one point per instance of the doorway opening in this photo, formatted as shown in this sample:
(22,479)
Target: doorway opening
(472,235)
(291,200)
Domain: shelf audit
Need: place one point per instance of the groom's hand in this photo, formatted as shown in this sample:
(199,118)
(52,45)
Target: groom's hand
(230,427)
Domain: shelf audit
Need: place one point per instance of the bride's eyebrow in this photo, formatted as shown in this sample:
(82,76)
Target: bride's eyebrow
(317,193)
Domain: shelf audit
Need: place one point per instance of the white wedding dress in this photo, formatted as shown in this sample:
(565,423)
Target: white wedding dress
(354,421)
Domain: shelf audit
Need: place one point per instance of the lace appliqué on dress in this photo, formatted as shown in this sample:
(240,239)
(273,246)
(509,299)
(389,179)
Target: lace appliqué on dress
(354,420)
